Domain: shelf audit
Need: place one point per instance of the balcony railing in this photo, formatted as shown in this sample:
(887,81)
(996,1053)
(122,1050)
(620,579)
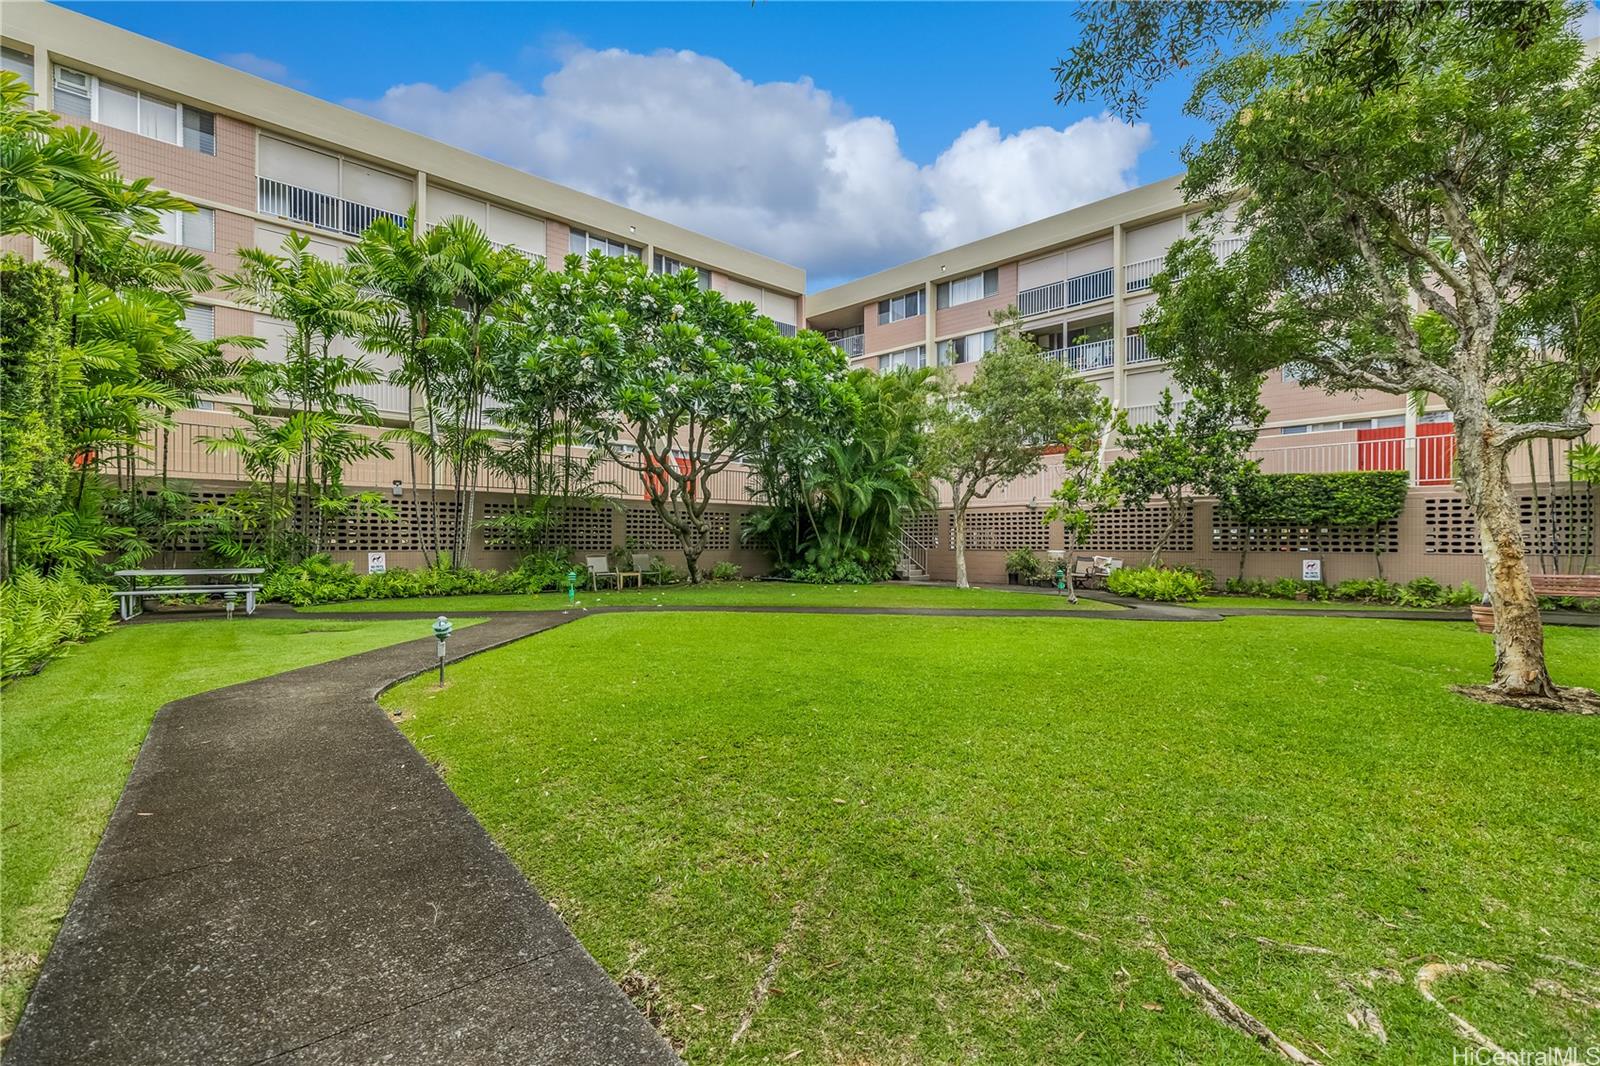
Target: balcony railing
(1059,295)
(318,209)
(1093,355)
(1138,275)
(854,346)
(1138,350)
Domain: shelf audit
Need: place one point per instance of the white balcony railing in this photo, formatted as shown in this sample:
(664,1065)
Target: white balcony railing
(318,209)
(1092,355)
(1058,295)
(854,346)
(1138,350)
(1138,275)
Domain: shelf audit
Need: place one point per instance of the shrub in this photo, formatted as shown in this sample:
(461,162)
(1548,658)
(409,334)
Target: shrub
(725,572)
(319,580)
(662,572)
(846,572)
(40,616)
(1156,583)
(1025,565)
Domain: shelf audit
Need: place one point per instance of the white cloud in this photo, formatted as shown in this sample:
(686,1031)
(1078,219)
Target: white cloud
(784,168)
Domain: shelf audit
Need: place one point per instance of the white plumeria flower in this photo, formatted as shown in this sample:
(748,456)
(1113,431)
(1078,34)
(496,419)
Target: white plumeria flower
(699,341)
(672,390)
(677,310)
(736,387)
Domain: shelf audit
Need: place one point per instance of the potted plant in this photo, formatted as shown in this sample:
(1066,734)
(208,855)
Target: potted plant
(1483,615)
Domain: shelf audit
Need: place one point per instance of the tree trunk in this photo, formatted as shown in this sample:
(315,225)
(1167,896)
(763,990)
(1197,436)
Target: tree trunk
(1173,511)
(1519,666)
(959,528)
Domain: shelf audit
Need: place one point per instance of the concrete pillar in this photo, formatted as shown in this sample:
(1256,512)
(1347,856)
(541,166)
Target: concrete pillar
(1411,441)
(1119,354)
(930,292)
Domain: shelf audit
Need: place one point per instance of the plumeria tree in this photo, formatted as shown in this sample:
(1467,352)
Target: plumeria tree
(678,382)
(1087,487)
(995,428)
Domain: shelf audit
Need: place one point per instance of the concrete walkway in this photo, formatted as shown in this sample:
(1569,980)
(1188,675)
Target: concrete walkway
(286,879)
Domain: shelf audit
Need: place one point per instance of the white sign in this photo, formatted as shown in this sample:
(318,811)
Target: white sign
(1310,569)
(377,563)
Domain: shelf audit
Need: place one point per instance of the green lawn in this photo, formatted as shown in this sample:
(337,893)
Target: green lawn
(68,738)
(742,594)
(896,800)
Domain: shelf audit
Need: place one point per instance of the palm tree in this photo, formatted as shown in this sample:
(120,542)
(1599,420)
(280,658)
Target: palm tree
(414,277)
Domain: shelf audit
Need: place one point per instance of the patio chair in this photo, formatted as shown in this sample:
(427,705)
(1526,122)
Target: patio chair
(645,563)
(599,566)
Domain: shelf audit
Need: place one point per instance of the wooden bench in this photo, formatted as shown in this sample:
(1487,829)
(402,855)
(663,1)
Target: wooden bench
(1582,586)
(193,583)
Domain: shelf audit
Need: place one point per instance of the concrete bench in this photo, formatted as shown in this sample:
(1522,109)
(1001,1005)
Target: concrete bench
(129,600)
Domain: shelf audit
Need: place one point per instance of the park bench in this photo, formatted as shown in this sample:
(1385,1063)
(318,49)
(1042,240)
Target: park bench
(1582,586)
(191,583)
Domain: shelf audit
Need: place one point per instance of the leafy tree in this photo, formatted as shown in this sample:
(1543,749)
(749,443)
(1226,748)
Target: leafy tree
(679,382)
(1087,488)
(33,460)
(1420,217)
(994,428)
(1201,449)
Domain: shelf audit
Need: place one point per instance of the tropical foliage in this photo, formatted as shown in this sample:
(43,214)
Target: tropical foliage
(837,491)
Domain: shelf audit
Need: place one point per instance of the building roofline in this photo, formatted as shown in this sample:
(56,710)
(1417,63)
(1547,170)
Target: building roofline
(128,56)
(1035,238)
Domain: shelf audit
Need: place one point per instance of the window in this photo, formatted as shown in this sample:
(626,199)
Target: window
(81,95)
(192,229)
(201,321)
(665,264)
(968,349)
(908,305)
(18,63)
(784,328)
(966,290)
(906,358)
(581,242)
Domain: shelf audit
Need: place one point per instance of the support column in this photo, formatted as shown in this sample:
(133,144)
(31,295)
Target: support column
(1410,457)
(930,293)
(1119,354)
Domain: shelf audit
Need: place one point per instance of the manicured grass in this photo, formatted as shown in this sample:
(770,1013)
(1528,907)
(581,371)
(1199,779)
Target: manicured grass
(741,594)
(1309,605)
(891,798)
(68,738)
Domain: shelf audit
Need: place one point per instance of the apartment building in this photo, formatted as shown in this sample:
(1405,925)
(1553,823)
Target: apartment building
(1081,282)
(260,160)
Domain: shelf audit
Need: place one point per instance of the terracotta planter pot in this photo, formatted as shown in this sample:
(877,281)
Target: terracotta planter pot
(1483,616)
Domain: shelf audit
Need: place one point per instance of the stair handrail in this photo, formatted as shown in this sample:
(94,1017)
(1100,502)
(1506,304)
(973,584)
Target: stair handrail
(911,549)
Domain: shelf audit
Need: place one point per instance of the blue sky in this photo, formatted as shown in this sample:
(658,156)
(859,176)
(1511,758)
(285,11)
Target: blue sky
(841,137)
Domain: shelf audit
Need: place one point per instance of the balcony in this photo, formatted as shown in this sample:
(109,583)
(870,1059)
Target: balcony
(1059,295)
(1091,355)
(1138,350)
(318,209)
(1138,275)
(854,346)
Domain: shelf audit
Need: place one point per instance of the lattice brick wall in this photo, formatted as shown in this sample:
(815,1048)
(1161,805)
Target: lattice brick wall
(750,539)
(924,529)
(645,528)
(1228,535)
(1550,524)
(583,529)
(1005,530)
(1138,528)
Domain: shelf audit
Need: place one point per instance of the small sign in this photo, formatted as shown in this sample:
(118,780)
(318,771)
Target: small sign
(1310,569)
(377,563)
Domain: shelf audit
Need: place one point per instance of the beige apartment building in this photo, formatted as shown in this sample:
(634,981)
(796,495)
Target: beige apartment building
(1081,281)
(260,160)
